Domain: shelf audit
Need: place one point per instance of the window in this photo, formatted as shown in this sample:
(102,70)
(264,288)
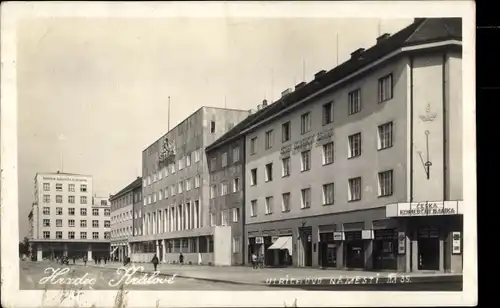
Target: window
(305,160)
(71,187)
(144,182)
(188,160)
(46,210)
(269,139)
(149,179)
(212,127)
(253,145)
(327,113)
(59,223)
(213,163)
(223,215)
(328,190)
(285,132)
(149,196)
(269,172)
(71,223)
(269,205)
(181,163)
(83,188)
(71,235)
(107,224)
(46,222)
(213,191)
(306,198)
(236,154)
(154,194)
(285,202)
(253,208)
(224,189)
(107,212)
(95,235)
(107,235)
(160,174)
(172,192)
(59,187)
(95,212)
(46,186)
(197,181)
(71,211)
(385,88)
(355,189)
(95,223)
(285,163)
(253,177)
(236,214)
(212,219)
(172,166)
(71,199)
(354,145)
(305,123)
(236,184)
(83,235)
(196,156)
(46,198)
(83,199)
(354,101)
(180,186)
(104,202)
(385,136)
(59,211)
(58,235)
(83,224)
(224,159)
(58,199)
(46,235)
(83,212)
(385,183)
(236,245)
(328,153)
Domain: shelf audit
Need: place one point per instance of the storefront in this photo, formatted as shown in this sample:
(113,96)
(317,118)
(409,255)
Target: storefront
(327,250)
(281,251)
(385,249)
(354,250)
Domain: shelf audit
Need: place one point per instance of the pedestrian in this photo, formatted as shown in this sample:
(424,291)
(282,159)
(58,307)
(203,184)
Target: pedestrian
(254,260)
(74,259)
(84,260)
(181,259)
(155,261)
(105,259)
(261,261)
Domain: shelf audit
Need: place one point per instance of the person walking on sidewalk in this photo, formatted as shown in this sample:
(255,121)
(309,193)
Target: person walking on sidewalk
(155,261)
(181,259)
(254,260)
(84,260)
(74,259)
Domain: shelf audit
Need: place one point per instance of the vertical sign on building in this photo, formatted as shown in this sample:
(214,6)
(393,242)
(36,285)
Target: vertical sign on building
(456,244)
(401,243)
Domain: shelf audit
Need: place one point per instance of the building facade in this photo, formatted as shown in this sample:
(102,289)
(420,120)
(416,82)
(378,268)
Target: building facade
(176,193)
(66,219)
(122,218)
(361,168)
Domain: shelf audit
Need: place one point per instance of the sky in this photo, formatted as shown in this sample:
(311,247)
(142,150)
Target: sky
(93,92)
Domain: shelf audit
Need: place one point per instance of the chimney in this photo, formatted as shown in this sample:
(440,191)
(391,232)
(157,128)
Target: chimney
(300,85)
(319,74)
(383,37)
(355,55)
(286,92)
(264,103)
(258,107)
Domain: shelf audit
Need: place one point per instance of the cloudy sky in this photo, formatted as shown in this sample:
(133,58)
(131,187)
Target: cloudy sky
(96,89)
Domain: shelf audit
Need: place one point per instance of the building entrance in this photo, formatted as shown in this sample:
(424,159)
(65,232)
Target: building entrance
(354,250)
(327,250)
(428,249)
(306,243)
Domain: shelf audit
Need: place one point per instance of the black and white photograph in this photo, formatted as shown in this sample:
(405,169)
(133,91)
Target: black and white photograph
(323,152)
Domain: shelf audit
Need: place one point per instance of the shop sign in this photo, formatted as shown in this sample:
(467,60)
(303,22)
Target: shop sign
(60,178)
(338,236)
(285,151)
(367,234)
(427,209)
(304,144)
(456,243)
(259,240)
(401,243)
(324,137)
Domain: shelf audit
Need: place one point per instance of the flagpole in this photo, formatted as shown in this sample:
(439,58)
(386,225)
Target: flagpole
(168,121)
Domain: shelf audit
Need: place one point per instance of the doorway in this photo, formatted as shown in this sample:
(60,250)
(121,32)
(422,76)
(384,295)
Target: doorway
(354,250)
(428,249)
(306,241)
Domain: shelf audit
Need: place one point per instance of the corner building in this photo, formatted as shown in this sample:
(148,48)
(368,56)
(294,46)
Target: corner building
(176,193)
(362,167)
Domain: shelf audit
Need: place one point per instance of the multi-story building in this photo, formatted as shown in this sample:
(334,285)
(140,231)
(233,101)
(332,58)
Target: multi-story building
(362,167)
(66,219)
(226,163)
(176,192)
(122,218)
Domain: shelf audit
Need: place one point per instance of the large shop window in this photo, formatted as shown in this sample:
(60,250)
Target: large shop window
(327,250)
(385,245)
(354,251)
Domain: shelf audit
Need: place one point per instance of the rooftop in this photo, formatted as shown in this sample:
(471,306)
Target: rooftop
(421,31)
(135,184)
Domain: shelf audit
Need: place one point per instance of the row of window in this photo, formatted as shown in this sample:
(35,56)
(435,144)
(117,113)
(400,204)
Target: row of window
(71,235)
(183,162)
(71,223)
(175,218)
(180,187)
(71,199)
(121,232)
(224,217)
(385,188)
(126,200)
(71,211)
(354,106)
(224,159)
(59,187)
(224,188)
(121,217)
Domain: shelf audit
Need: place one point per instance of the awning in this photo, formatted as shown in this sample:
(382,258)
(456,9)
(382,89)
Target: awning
(113,251)
(283,242)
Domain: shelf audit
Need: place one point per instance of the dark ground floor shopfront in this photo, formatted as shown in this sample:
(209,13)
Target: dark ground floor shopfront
(362,240)
(46,250)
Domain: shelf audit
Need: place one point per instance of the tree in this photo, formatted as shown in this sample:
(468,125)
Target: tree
(24,246)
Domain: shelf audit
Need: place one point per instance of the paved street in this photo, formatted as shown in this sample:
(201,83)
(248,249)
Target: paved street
(32,272)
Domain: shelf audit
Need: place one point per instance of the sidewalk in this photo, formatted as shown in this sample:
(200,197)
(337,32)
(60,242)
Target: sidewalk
(247,275)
